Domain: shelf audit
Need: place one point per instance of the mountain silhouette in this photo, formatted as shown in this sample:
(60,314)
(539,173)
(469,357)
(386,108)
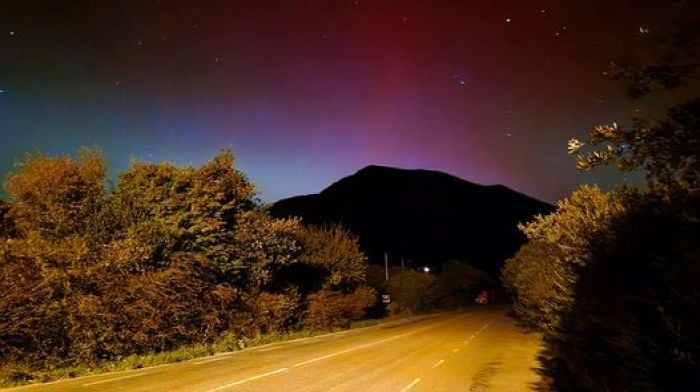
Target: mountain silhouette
(421,216)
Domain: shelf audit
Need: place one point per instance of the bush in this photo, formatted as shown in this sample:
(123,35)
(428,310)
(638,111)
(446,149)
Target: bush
(457,285)
(409,291)
(173,257)
(634,325)
(333,309)
(273,313)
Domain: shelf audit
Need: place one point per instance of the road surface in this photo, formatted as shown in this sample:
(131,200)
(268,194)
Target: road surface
(477,350)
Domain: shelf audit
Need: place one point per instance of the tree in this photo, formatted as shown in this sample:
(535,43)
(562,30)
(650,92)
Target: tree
(558,247)
(192,209)
(666,150)
(338,252)
(57,197)
(534,277)
(409,290)
(457,284)
(262,247)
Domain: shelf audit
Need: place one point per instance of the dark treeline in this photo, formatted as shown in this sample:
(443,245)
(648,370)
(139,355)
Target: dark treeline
(613,279)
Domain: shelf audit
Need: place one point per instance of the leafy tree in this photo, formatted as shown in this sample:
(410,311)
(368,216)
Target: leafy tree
(194,208)
(57,197)
(338,252)
(457,284)
(172,256)
(262,247)
(559,247)
(666,150)
(534,276)
(633,323)
(409,290)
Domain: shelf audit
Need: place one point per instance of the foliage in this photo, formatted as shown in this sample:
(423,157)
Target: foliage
(57,197)
(542,274)
(338,252)
(634,323)
(274,312)
(534,278)
(457,284)
(262,246)
(187,209)
(612,278)
(7,224)
(666,150)
(171,257)
(333,309)
(409,290)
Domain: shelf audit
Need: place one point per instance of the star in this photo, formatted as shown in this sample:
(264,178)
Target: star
(460,80)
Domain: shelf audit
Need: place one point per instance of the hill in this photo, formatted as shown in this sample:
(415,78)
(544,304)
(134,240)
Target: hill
(422,216)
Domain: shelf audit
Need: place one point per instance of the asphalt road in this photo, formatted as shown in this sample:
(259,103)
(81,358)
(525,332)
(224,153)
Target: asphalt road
(475,351)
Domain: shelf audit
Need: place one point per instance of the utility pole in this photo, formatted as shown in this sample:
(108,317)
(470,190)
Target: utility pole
(386,266)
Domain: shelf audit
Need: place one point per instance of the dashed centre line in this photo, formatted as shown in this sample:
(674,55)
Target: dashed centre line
(438,363)
(411,385)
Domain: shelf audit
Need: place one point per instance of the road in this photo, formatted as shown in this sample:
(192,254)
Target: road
(477,350)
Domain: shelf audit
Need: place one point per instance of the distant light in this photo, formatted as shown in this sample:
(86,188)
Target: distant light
(508,20)
(426,269)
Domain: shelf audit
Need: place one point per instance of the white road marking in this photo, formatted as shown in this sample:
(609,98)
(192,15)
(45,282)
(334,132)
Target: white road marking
(335,354)
(218,358)
(264,350)
(245,380)
(411,385)
(440,362)
(113,379)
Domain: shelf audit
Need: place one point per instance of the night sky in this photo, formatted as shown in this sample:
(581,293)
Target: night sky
(306,92)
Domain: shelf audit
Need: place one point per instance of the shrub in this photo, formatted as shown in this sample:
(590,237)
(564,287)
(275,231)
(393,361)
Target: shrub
(409,291)
(332,309)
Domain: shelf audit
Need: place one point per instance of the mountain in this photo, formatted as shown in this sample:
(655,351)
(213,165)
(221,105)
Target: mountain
(421,215)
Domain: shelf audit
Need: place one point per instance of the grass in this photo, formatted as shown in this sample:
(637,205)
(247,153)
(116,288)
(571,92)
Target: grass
(226,343)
